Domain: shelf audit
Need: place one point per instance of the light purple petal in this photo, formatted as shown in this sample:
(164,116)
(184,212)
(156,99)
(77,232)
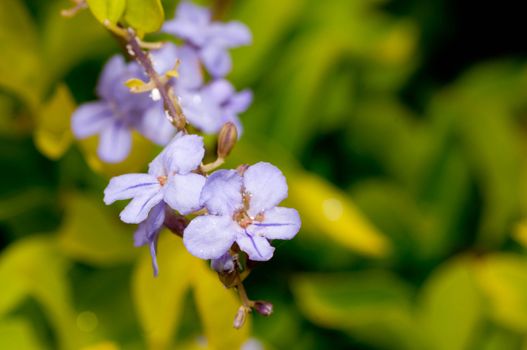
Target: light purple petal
(139,207)
(184,154)
(190,23)
(90,118)
(231,34)
(148,232)
(165,58)
(266,185)
(258,248)
(200,112)
(148,229)
(219,91)
(155,126)
(278,223)
(182,192)
(222,192)
(111,75)
(240,102)
(115,143)
(157,165)
(210,236)
(190,12)
(217,60)
(223,264)
(129,186)
(190,72)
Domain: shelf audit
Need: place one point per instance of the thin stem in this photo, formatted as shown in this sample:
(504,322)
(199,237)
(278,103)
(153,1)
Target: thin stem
(79,5)
(172,107)
(207,168)
(243,295)
(220,8)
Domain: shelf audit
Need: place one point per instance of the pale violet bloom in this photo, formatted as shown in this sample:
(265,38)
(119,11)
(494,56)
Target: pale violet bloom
(208,38)
(242,209)
(170,181)
(214,105)
(190,75)
(118,112)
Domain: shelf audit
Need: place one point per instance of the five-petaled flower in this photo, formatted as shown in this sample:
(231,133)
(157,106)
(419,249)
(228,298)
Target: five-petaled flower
(243,209)
(170,181)
(209,39)
(118,112)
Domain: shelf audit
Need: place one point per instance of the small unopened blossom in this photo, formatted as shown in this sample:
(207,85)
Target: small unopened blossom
(263,307)
(169,182)
(118,112)
(242,209)
(211,40)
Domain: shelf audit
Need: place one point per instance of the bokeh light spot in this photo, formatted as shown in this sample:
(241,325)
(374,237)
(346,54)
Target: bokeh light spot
(87,321)
(332,209)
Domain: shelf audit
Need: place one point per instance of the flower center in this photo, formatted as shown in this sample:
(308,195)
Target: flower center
(244,220)
(162,180)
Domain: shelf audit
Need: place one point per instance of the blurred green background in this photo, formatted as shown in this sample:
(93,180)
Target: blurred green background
(401,126)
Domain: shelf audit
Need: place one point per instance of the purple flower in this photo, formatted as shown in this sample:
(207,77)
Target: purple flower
(118,112)
(214,105)
(209,39)
(169,181)
(242,209)
(189,70)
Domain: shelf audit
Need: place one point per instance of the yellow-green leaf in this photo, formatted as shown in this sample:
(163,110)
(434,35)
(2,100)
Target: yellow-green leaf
(36,269)
(217,307)
(145,16)
(326,210)
(53,133)
(17,334)
(20,67)
(363,304)
(451,306)
(503,278)
(159,300)
(91,234)
(111,10)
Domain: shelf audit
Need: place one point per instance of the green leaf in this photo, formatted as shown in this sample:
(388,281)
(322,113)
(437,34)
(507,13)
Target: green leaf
(68,41)
(362,304)
(328,211)
(111,10)
(482,107)
(33,267)
(17,334)
(451,307)
(503,278)
(159,300)
(53,132)
(92,235)
(20,68)
(145,16)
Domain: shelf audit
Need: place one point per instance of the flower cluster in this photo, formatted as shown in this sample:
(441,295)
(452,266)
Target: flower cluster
(220,214)
(206,105)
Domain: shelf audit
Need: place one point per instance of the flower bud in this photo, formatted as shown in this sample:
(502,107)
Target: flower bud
(263,307)
(175,222)
(227,139)
(241,316)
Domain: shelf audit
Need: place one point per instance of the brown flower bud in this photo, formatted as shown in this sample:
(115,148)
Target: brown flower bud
(227,139)
(263,307)
(241,316)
